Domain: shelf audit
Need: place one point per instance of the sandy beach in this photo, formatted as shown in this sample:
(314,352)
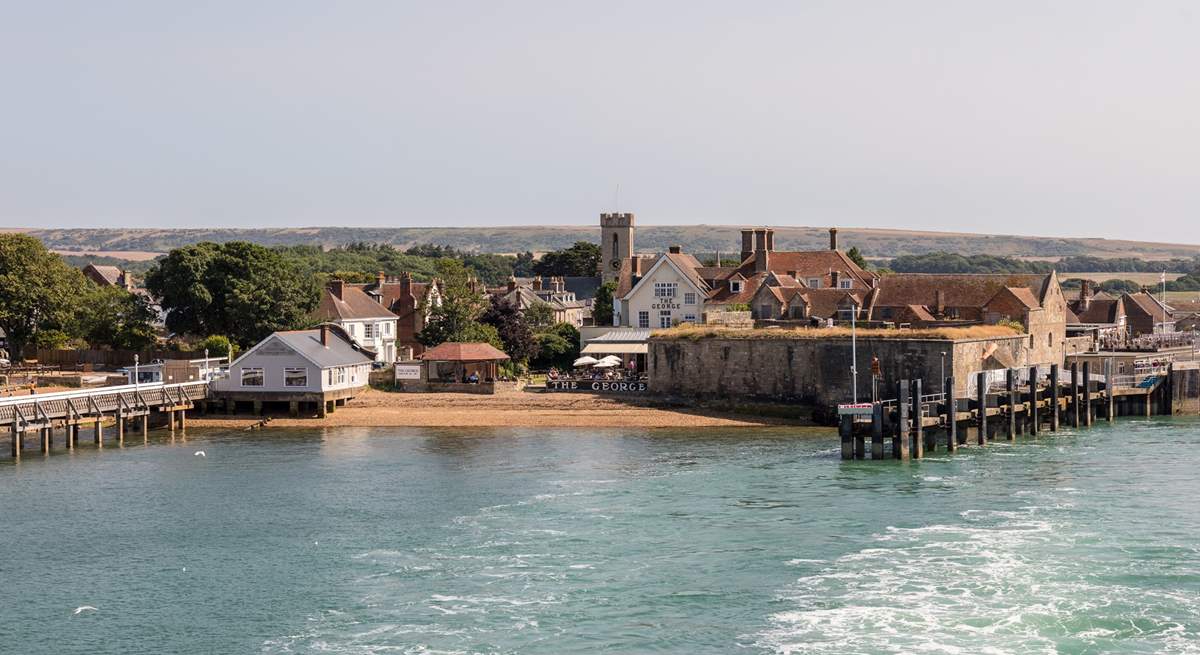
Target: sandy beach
(525,409)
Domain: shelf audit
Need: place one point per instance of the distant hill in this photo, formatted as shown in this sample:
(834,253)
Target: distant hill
(874,243)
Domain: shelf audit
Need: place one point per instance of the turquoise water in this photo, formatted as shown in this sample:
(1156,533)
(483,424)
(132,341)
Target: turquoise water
(621,541)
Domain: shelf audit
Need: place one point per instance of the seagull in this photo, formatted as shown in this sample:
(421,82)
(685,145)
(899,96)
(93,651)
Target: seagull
(199,453)
(84,608)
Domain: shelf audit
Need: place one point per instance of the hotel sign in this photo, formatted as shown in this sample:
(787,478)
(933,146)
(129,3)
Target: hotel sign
(665,305)
(855,409)
(408,371)
(596,386)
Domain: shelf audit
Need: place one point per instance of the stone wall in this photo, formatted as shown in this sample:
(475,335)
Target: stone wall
(1185,389)
(817,371)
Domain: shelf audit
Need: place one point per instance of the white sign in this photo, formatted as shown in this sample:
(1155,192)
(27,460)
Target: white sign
(408,371)
(855,409)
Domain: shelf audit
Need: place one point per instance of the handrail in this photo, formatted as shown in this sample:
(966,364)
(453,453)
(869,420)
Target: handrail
(87,393)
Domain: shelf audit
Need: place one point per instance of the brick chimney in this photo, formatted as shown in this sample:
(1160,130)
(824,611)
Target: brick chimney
(324,335)
(762,261)
(770,239)
(537,283)
(405,284)
(833,244)
(560,284)
(337,287)
(760,240)
(939,302)
(1085,295)
(126,280)
(675,250)
(747,244)
(512,284)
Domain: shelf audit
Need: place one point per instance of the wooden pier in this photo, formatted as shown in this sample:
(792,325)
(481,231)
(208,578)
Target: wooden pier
(916,423)
(126,407)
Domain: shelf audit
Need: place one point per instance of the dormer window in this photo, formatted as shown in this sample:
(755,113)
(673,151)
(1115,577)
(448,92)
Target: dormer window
(845,284)
(814,282)
(735,286)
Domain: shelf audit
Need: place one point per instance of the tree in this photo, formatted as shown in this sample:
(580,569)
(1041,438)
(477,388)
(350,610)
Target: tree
(581,259)
(602,304)
(557,346)
(37,293)
(856,257)
(539,316)
(238,289)
(456,318)
(511,326)
(523,266)
(116,318)
(218,346)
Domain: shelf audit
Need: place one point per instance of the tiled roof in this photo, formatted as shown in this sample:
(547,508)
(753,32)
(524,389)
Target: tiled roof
(112,274)
(959,290)
(823,303)
(809,264)
(1147,304)
(354,305)
(1100,310)
(453,351)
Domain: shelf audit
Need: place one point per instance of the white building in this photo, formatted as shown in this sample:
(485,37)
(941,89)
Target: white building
(365,319)
(670,292)
(322,366)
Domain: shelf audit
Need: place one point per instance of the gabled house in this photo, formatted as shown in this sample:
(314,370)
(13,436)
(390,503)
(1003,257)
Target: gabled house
(670,292)
(1146,314)
(553,293)
(409,301)
(323,367)
(109,276)
(364,318)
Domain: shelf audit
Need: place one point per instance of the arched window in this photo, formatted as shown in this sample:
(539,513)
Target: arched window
(616,251)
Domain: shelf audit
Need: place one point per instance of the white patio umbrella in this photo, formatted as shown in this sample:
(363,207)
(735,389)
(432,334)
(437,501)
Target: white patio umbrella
(608,362)
(586,360)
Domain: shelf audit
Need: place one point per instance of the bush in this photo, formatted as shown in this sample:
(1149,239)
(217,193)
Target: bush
(218,346)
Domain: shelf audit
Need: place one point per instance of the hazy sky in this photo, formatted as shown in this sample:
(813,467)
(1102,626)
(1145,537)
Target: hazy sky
(1063,118)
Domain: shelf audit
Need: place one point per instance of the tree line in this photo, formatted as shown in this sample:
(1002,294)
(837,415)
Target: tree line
(947,262)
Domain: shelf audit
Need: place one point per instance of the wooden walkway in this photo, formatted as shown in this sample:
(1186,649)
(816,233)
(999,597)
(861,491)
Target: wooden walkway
(68,410)
(915,423)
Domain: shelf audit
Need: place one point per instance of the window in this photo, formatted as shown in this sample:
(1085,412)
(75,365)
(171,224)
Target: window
(665,289)
(735,286)
(331,376)
(252,377)
(814,282)
(689,298)
(690,318)
(387,329)
(643,319)
(1050,340)
(664,318)
(295,377)
(368,330)
(845,284)
(341,375)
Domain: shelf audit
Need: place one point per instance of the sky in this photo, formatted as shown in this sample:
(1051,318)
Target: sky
(1018,117)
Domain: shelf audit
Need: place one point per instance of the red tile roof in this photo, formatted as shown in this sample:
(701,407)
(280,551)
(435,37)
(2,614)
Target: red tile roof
(453,351)
(353,305)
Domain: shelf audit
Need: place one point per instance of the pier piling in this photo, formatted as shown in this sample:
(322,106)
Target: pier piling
(1010,385)
(917,448)
(900,443)
(1054,390)
(951,416)
(846,430)
(1087,394)
(877,431)
(981,401)
(1075,394)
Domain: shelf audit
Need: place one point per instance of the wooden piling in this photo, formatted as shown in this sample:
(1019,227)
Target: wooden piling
(46,435)
(951,416)
(1109,405)
(1034,399)
(1010,384)
(917,448)
(183,420)
(1054,391)
(145,428)
(1087,394)
(1075,394)
(877,431)
(981,414)
(900,443)
(98,434)
(846,430)
(16,441)
(72,435)
(120,429)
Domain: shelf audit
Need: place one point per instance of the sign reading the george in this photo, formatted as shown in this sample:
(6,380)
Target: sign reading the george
(855,409)
(408,371)
(598,386)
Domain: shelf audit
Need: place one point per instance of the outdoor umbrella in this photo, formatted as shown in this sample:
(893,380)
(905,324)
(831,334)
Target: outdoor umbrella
(609,362)
(586,360)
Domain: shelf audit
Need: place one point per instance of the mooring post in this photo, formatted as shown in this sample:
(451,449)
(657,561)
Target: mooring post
(98,433)
(951,416)
(1010,386)
(917,448)
(16,441)
(1109,409)
(171,419)
(1075,394)
(900,446)
(1035,398)
(72,435)
(146,428)
(183,420)
(1087,394)
(981,400)
(120,429)
(877,430)
(46,436)
(845,430)
(1054,398)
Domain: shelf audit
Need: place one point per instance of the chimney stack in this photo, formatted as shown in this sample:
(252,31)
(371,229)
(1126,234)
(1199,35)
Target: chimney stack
(770,239)
(537,283)
(833,244)
(406,283)
(325,335)
(747,244)
(939,303)
(337,287)
(760,240)
(1085,295)
(126,280)
(675,250)
(512,284)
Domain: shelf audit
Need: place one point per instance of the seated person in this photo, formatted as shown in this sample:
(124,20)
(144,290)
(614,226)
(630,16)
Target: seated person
(473,378)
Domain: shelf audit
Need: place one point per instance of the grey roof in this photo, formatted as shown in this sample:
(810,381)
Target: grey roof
(623,335)
(584,288)
(308,344)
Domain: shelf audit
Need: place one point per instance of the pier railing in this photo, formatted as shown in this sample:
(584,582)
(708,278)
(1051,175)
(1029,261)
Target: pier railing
(129,399)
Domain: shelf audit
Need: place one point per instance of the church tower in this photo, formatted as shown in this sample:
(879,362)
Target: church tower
(616,244)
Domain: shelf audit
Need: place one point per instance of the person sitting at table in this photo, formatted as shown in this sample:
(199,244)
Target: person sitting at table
(473,378)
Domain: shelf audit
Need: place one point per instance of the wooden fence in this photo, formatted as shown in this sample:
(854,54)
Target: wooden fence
(71,359)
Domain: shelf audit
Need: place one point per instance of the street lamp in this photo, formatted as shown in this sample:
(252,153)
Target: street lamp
(943,383)
(206,364)
(135,372)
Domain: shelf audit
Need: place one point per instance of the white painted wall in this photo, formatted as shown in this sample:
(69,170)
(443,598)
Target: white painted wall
(274,365)
(382,341)
(642,299)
